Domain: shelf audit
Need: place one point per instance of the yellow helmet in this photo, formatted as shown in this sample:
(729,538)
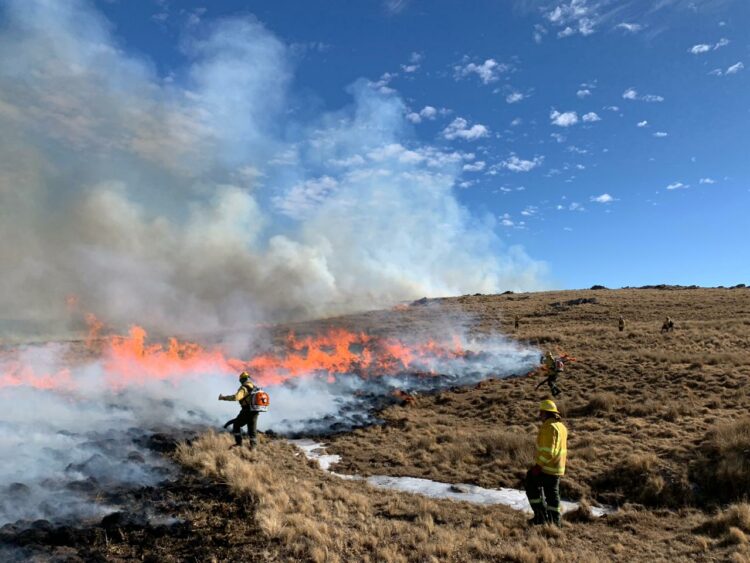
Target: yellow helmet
(548,406)
(244,376)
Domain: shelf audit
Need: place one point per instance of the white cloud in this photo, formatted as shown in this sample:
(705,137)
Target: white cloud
(382,84)
(604,198)
(629,27)
(514,97)
(706,181)
(489,71)
(516,122)
(735,68)
(612,108)
(529,211)
(539,32)
(583,93)
(505,220)
(642,123)
(565,119)
(677,186)
(632,94)
(516,164)
(590,117)
(661,134)
(574,17)
(705,48)
(459,129)
(427,112)
(558,137)
(410,68)
(477,166)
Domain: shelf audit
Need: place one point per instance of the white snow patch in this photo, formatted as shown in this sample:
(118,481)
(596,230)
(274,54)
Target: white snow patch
(514,498)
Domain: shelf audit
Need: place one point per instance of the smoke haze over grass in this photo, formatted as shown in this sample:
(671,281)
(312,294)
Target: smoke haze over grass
(198,200)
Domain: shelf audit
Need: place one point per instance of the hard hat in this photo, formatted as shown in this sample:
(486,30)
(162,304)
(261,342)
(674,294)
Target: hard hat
(548,406)
(244,376)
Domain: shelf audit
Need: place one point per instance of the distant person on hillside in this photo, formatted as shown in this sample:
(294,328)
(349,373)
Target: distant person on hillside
(253,401)
(621,323)
(553,367)
(667,325)
(516,322)
(543,479)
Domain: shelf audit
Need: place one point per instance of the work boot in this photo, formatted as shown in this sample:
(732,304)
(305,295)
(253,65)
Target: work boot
(554,517)
(540,516)
(237,441)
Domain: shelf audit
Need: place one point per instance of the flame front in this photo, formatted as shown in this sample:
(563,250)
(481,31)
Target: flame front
(130,359)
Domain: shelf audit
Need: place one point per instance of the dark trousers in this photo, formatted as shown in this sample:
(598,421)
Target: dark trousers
(543,492)
(249,418)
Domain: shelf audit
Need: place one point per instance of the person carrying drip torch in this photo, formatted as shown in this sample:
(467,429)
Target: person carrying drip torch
(543,479)
(553,367)
(248,415)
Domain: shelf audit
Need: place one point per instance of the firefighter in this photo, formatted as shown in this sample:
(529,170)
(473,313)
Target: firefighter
(621,323)
(552,367)
(667,325)
(516,322)
(543,479)
(248,415)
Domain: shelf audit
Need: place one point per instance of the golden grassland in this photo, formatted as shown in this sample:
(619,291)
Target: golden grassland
(304,514)
(658,426)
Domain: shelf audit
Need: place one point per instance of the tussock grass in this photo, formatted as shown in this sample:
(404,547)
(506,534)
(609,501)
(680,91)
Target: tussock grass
(723,470)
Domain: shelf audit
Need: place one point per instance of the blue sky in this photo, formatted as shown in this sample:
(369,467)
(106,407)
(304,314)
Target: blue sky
(212,162)
(610,138)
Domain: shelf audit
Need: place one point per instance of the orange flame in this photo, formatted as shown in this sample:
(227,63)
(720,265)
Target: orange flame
(131,360)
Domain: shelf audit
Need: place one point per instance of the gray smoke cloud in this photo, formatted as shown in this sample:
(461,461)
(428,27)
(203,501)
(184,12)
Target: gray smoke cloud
(201,200)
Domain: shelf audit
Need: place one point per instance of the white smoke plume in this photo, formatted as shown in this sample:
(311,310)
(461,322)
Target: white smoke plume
(202,199)
(62,445)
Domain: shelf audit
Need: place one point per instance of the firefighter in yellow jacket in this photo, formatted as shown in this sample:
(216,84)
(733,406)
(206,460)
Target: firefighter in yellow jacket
(543,479)
(248,416)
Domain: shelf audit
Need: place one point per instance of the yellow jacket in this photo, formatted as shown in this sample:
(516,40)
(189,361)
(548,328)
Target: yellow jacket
(242,395)
(552,447)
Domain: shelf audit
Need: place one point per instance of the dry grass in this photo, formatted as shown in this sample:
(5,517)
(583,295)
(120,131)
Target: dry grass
(304,514)
(649,414)
(723,470)
(630,396)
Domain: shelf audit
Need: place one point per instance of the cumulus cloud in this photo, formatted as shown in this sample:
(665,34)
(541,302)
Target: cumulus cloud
(414,63)
(564,119)
(201,202)
(514,97)
(604,198)
(590,117)
(706,181)
(477,166)
(459,129)
(643,123)
(584,92)
(516,164)
(489,71)
(427,112)
(632,94)
(576,16)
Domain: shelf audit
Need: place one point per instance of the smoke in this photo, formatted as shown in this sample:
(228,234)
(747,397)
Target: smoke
(206,198)
(80,426)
